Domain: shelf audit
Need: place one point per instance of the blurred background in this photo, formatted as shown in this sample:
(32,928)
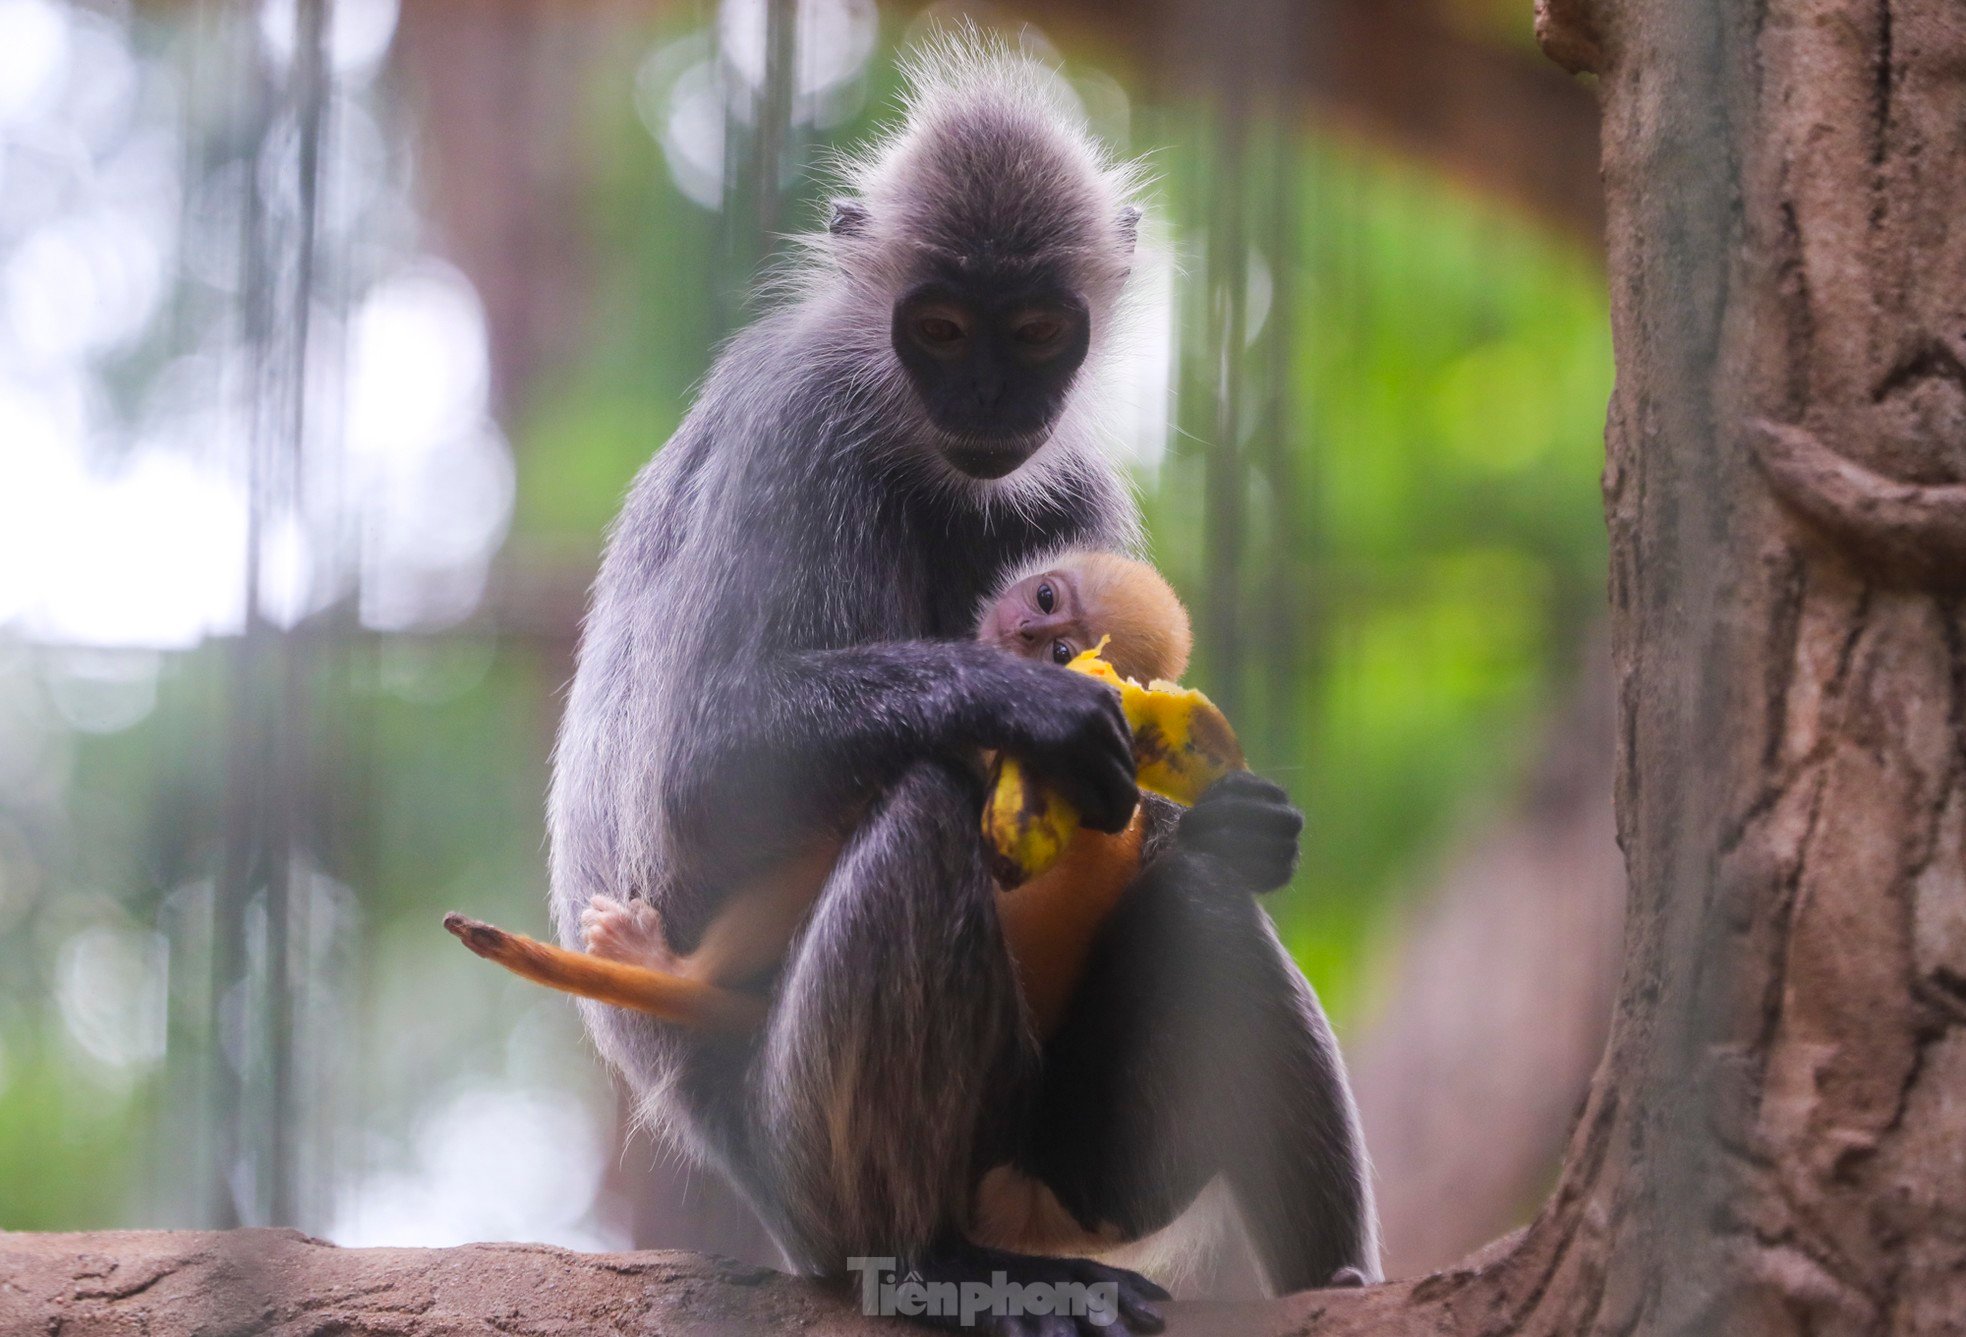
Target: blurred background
(330,336)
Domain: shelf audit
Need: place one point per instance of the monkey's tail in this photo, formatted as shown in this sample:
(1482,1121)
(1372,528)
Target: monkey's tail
(686,1002)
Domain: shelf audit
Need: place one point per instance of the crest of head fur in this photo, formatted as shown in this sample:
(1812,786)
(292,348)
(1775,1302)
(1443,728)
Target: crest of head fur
(992,153)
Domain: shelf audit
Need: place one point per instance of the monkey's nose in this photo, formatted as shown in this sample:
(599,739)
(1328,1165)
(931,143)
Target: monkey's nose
(1027,631)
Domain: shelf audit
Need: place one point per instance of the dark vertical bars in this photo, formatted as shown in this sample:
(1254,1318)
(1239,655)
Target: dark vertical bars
(759,143)
(255,1010)
(1279,446)
(1225,345)
(1234,380)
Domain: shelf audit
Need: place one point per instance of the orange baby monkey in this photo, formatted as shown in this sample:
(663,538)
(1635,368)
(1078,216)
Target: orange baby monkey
(1069,605)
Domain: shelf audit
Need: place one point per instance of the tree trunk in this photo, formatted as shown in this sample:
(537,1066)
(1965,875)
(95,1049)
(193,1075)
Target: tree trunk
(1776,1140)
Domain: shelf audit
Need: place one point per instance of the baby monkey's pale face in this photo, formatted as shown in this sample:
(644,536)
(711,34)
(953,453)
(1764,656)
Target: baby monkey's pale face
(1040,617)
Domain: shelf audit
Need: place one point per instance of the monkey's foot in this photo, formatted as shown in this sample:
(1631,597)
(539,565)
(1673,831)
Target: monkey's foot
(1248,824)
(1083,1298)
(629,932)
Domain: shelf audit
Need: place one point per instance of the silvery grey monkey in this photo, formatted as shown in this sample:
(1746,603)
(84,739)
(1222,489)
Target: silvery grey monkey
(779,660)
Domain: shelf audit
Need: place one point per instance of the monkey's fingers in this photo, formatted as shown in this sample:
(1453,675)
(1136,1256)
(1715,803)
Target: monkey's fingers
(1182,744)
(692,1003)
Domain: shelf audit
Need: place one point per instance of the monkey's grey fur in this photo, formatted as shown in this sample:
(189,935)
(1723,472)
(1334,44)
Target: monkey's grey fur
(780,644)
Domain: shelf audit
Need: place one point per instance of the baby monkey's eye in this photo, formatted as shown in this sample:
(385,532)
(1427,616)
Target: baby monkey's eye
(1047,599)
(1039,331)
(1061,652)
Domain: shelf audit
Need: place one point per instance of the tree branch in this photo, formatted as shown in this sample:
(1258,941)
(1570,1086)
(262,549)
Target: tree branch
(280,1283)
(283,1284)
(1567,30)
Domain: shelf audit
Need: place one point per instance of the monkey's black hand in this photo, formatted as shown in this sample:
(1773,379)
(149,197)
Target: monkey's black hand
(1247,823)
(1069,730)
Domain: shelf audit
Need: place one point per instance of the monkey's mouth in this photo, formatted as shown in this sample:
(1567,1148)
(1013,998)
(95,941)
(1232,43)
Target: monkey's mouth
(985,459)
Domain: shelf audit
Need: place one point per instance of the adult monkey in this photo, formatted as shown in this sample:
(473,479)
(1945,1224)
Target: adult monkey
(778,667)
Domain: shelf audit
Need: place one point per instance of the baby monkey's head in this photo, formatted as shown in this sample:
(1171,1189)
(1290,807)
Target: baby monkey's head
(1054,613)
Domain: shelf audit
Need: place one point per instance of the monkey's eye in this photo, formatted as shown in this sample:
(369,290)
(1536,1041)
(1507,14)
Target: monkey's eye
(1047,599)
(1061,652)
(938,331)
(1039,331)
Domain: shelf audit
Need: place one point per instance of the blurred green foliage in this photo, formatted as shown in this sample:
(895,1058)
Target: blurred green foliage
(1440,564)
(67,1152)
(1442,555)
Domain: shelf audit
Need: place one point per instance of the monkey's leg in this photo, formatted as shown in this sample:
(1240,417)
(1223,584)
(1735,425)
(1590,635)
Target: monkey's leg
(1194,1048)
(741,947)
(672,998)
(897,1057)
(1295,1155)
(895,1032)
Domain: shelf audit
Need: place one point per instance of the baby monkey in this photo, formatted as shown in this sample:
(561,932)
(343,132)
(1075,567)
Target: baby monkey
(1070,604)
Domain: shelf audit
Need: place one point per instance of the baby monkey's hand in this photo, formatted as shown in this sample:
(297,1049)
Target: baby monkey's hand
(1246,822)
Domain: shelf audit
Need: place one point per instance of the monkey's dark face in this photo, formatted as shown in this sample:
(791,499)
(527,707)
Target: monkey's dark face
(992,363)
(1041,617)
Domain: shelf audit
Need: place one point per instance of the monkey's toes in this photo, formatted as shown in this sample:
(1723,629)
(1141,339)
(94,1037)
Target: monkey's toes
(629,932)
(484,939)
(1106,1301)
(1139,1298)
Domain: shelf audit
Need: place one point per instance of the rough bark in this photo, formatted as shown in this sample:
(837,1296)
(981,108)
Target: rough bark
(1775,1142)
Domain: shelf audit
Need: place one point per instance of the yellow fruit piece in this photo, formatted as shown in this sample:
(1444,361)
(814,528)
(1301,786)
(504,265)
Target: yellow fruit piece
(1181,745)
(1028,825)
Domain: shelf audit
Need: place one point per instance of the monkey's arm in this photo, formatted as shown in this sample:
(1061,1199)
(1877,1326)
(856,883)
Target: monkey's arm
(1247,826)
(781,738)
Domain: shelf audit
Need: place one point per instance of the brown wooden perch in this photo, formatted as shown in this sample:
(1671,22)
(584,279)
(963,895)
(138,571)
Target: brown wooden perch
(281,1283)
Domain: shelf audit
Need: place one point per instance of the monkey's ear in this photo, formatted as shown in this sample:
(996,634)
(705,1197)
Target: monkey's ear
(846,218)
(1130,226)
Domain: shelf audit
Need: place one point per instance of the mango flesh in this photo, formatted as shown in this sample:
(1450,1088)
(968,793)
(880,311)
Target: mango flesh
(1182,744)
